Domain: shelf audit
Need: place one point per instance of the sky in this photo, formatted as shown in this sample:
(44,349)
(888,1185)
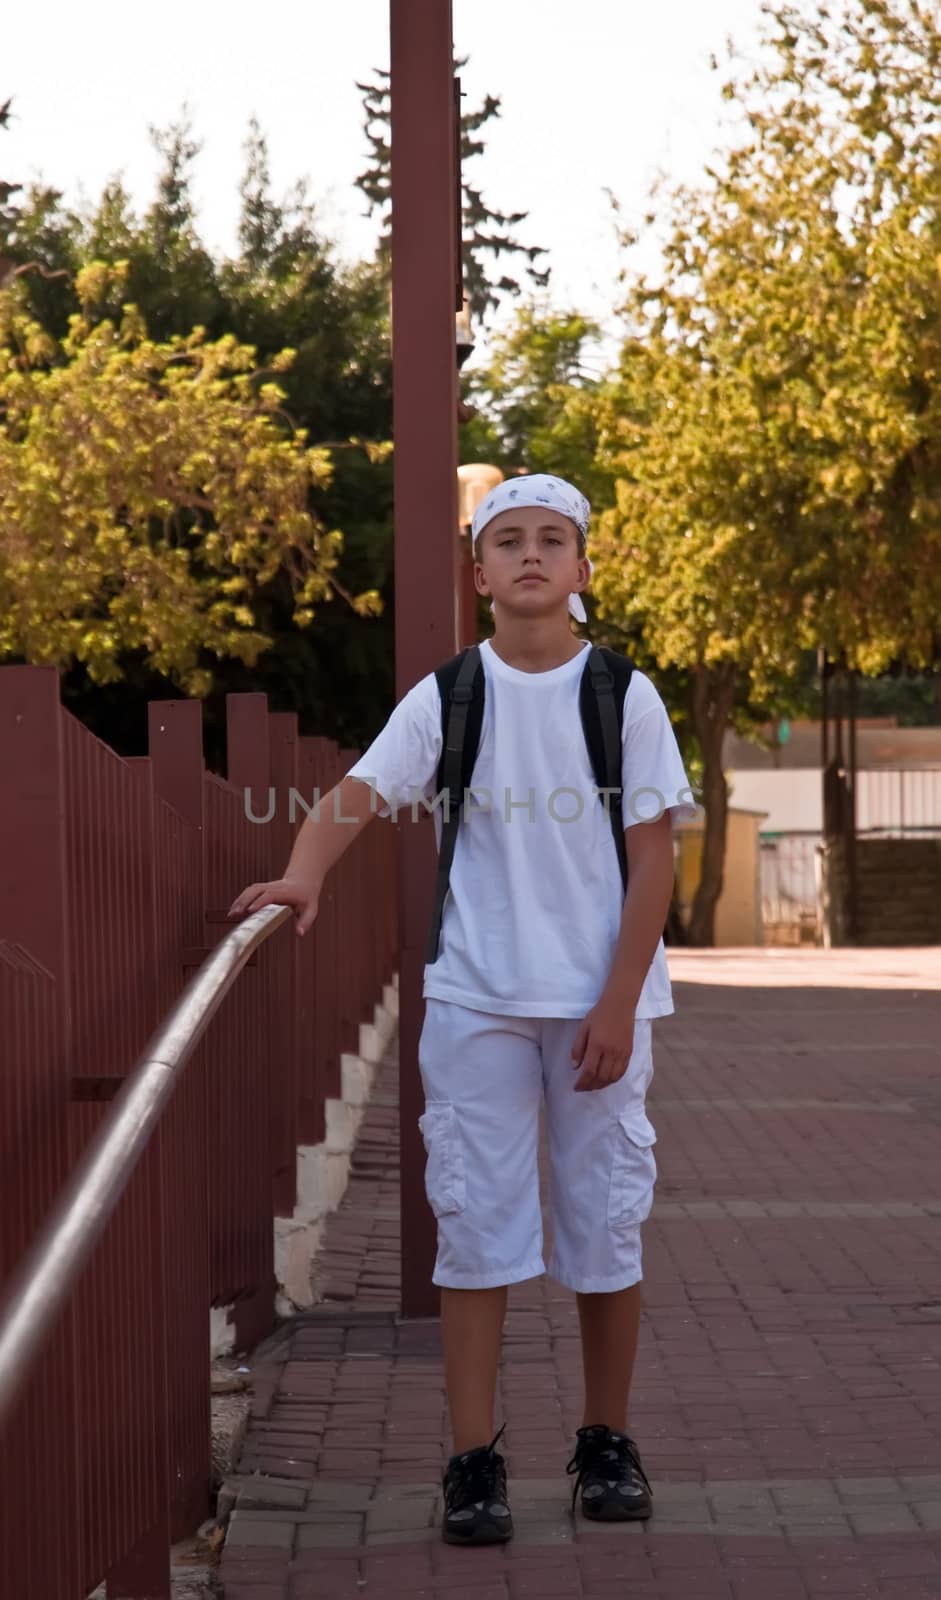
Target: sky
(596,95)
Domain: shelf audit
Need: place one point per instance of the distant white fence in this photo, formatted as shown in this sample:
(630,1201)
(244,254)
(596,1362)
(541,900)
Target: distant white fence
(789,887)
(899,802)
(889,804)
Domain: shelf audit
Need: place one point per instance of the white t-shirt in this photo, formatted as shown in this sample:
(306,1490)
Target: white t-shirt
(533,914)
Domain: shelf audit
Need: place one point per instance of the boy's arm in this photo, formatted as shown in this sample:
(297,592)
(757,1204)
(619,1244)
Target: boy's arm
(650,875)
(324,836)
(605,1040)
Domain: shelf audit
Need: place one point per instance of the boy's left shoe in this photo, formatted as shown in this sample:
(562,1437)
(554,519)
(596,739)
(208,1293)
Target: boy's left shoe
(613,1484)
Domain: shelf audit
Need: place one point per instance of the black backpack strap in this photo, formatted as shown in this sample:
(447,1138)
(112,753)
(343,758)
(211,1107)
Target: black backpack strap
(602,690)
(461,686)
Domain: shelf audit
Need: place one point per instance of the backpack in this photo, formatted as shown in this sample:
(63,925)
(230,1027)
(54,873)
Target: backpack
(461,682)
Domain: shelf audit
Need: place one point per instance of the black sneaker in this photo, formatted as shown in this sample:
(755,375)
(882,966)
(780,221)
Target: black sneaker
(475,1503)
(613,1483)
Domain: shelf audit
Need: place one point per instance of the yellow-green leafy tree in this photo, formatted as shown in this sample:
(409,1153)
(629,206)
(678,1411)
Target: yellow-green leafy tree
(148,492)
(775,431)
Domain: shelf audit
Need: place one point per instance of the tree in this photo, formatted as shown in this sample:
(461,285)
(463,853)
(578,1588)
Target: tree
(546,402)
(534,398)
(486,232)
(33,237)
(776,446)
(8,207)
(148,493)
(286,288)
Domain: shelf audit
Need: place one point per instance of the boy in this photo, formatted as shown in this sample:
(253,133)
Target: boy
(544,987)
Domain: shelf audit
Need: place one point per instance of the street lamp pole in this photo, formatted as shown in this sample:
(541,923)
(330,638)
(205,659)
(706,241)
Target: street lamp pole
(425,401)
(475,480)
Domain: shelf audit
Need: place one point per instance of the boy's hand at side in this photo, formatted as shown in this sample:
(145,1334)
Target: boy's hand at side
(296,892)
(604,1043)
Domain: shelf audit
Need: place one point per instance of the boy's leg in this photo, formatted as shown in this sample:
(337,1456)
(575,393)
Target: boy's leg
(602,1176)
(603,1173)
(471,1332)
(610,1324)
(482,1078)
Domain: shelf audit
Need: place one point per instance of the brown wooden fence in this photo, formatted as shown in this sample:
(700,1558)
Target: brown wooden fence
(115,879)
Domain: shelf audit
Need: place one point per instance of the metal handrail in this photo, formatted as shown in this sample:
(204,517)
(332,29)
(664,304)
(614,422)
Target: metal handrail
(49,1271)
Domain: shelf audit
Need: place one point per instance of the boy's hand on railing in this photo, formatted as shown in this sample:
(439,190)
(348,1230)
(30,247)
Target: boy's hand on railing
(302,896)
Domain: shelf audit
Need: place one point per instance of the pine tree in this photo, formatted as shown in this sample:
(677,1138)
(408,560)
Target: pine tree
(8,211)
(261,220)
(486,232)
(35,244)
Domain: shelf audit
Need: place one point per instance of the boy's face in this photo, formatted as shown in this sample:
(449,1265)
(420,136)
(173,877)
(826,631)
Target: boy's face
(528,561)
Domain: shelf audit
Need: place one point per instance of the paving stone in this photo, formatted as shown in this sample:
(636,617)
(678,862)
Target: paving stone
(815,1496)
(541,1535)
(928,1513)
(340,1492)
(538,1489)
(889,1489)
(257,1532)
(884,1519)
(683,1513)
(925,1487)
(257,1493)
(730,1496)
(323,1536)
(409,1512)
(585,1528)
(387,1493)
(678,1493)
(326,1512)
(384,1536)
(822,1528)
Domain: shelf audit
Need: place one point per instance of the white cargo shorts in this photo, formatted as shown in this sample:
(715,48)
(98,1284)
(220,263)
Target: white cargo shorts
(484,1079)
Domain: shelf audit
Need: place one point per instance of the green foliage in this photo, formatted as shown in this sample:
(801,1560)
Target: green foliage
(777,461)
(488,234)
(286,289)
(148,492)
(913,699)
(9,207)
(538,396)
(776,423)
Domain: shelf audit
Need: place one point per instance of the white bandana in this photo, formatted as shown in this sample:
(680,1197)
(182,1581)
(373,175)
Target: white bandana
(537,489)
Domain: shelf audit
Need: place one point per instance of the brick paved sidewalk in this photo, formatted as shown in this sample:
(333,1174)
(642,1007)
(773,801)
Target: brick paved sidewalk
(787,1398)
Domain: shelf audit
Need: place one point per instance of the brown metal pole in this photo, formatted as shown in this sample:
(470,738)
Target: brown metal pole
(425,434)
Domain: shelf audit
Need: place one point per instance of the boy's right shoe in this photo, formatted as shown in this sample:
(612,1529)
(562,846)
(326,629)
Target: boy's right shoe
(475,1498)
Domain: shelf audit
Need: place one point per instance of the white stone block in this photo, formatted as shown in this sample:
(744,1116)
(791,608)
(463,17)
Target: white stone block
(322,1176)
(313,1183)
(338,1176)
(342,1125)
(384,1023)
(296,1242)
(371,1045)
(357,1078)
(323,1170)
(221,1331)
